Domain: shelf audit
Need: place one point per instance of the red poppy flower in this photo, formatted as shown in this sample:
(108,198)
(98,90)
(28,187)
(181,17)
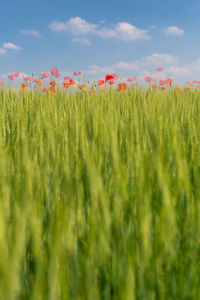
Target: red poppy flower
(101,82)
(66,85)
(122,86)
(23,86)
(52,90)
(159,69)
(111,82)
(161,82)
(109,77)
(168,81)
(81,86)
(148,79)
(52,83)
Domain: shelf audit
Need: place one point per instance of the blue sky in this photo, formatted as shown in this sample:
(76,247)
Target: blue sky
(129,37)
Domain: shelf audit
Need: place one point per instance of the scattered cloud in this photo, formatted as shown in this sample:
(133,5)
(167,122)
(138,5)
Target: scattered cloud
(95,70)
(106,33)
(2,51)
(31,32)
(76,25)
(144,73)
(185,72)
(58,26)
(122,30)
(83,41)
(153,60)
(173,31)
(11,46)
(180,71)
(4,76)
(158,59)
(141,68)
(123,65)
(129,32)
(79,26)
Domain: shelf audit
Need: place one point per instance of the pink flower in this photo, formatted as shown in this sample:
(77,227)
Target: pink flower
(11,76)
(131,78)
(57,75)
(68,79)
(148,79)
(161,82)
(115,76)
(45,75)
(77,73)
(27,78)
(159,69)
(0,81)
(16,74)
(36,79)
(190,83)
(54,71)
(168,81)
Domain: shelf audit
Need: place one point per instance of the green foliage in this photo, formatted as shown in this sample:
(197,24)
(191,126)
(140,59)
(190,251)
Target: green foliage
(100,195)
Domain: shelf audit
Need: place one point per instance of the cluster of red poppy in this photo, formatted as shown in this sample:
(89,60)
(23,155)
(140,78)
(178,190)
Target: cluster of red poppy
(67,82)
(100,85)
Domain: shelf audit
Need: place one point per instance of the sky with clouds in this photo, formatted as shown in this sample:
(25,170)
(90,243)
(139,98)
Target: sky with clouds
(128,37)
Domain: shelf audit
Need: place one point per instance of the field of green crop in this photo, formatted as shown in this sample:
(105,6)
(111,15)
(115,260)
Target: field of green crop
(100,195)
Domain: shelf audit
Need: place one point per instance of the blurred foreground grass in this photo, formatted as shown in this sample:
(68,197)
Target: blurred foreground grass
(100,195)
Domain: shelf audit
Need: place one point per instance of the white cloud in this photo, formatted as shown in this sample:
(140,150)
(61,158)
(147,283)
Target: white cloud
(4,76)
(185,72)
(31,32)
(153,60)
(173,31)
(76,25)
(180,71)
(123,65)
(155,75)
(79,26)
(122,30)
(120,66)
(106,33)
(11,46)
(95,70)
(129,32)
(157,59)
(137,68)
(2,51)
(58,26)
(83,41)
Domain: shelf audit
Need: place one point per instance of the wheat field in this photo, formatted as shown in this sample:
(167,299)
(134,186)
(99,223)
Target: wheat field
(100,195)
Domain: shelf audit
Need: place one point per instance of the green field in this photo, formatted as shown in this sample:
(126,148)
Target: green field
(100,195)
